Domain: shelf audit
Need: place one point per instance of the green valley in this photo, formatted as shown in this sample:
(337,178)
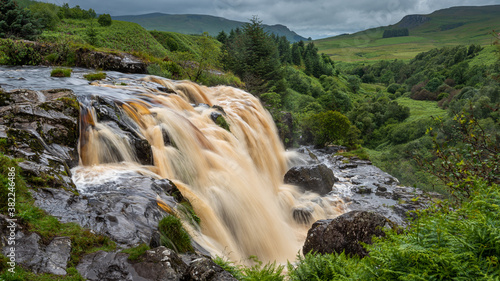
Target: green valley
(447,27)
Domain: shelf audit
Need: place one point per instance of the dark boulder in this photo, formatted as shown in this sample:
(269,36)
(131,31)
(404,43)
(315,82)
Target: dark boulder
(202,268)
(345,233)
(316,178)
(156,264)
(31,253)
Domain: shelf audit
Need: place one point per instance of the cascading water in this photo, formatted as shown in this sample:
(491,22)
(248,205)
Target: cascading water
(233,179)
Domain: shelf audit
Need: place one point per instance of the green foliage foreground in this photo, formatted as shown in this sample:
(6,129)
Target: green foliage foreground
(440,245)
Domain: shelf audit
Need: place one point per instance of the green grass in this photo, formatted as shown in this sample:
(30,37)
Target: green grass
(420,109)
(361,153)
(369,45)
(121,36)
(173,235)
(61,72)
(136,252)
(95,76)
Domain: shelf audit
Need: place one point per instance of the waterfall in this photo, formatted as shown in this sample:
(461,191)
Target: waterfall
(232,178)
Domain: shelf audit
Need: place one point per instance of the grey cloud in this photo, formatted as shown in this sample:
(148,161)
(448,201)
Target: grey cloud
(315,18)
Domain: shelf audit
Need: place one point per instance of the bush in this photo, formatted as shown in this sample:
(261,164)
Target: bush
(327,127)
(393,88)
(18,53)
(104,20)
(95,76)
(173,235)
(324,268)
(60,72)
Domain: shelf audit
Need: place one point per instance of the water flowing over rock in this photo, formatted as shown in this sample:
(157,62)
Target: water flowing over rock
(345,233)
(142,141)
(367,188)
(135,131)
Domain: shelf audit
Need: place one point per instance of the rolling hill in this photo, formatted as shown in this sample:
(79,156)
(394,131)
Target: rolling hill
(452,26)
(197,24)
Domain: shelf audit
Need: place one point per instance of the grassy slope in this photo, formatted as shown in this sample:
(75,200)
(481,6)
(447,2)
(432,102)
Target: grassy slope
(369,44)
(123,36)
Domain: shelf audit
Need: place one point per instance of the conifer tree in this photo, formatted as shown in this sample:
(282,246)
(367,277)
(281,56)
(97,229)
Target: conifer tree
(17,23)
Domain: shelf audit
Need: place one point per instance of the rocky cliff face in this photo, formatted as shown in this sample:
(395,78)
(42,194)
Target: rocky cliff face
(412,21)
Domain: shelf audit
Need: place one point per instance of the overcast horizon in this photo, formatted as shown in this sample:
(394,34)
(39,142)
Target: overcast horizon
(314,18)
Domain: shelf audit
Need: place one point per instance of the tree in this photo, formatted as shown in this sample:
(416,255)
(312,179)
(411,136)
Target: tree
(46,13)
(253,55)
(328,127)
(222,37)
(16,22)
(92,33)
(104,20)
(209,57)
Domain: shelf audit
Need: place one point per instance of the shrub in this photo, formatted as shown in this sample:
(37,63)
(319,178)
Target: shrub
(95,76)
(468,153)
(173,235)
(393,88)
(18,53)
(46,13)
(433,84)
(327,127)
(104,20)
(324,267)
(60,72)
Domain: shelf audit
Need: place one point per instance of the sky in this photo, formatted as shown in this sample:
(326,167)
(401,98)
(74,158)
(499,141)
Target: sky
(309,18)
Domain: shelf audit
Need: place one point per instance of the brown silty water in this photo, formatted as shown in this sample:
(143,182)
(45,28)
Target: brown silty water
(233,179)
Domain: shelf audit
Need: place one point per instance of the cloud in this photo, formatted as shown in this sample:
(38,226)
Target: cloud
(315,18)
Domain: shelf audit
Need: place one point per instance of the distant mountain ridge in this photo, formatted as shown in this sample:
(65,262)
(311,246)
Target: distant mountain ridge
(197,24)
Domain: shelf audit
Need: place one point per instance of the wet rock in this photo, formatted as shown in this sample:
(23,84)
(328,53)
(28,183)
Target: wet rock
(345,233)
(33,255)
(348,166)
(41,127)
(362,190)
(156,264)
(205,269)
(122,62)
(302,215)
(124,210)
(316,178)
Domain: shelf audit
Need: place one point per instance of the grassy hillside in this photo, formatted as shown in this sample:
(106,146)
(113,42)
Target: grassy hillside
(452,26)
(197,24)
(123,36)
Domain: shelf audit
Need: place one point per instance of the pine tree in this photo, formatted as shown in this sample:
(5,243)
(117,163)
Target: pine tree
(16,22)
